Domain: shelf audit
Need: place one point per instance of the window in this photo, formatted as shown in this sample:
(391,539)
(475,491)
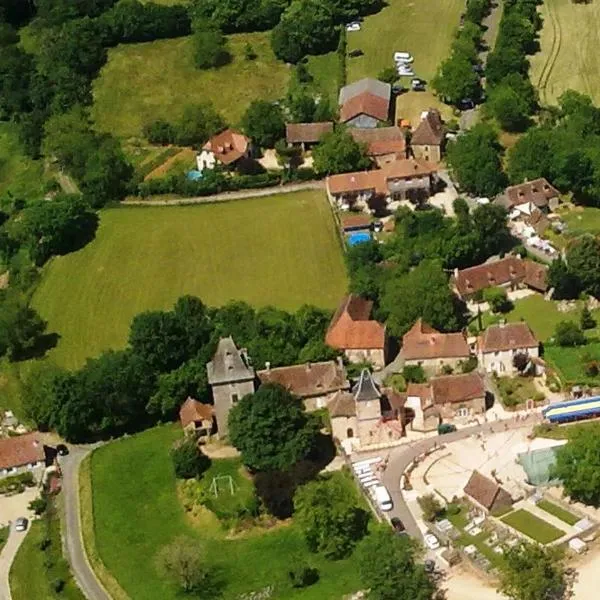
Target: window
(234,398)
(349,432)
(463,411)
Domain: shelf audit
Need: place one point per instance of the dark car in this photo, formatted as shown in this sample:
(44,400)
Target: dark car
(62,450)
(466,104)
(397,524)
(446,428)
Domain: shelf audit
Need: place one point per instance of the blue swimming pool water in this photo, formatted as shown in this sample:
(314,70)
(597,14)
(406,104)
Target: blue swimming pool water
(358,237)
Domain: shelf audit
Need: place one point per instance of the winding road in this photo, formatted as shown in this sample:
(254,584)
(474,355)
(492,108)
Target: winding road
(15,539)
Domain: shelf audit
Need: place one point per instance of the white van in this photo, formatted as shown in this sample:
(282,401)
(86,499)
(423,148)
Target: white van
(403,57)
(382,497)
(370,483)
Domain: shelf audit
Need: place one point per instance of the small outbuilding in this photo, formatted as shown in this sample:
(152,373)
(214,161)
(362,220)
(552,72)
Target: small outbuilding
(487,494)
(197,418)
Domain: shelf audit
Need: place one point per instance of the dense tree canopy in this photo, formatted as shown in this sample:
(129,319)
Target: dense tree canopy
(271,429)
(512,102)
(20,328)
(264,123)
(233,16)
(210,47)
(337,152)
(583,259)
(189,461)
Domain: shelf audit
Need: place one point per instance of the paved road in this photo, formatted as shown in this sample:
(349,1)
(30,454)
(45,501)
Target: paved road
(73,541)
(15,539)
(402,456)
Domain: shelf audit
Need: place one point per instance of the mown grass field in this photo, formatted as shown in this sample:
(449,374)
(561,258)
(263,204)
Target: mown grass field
(558,511)
(582,220)
(137,512)
(568,57)
(144,82)
(534,527)
(425,29)
(281,250)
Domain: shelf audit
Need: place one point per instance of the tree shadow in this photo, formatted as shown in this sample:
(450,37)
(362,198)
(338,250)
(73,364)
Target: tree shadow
(42,345)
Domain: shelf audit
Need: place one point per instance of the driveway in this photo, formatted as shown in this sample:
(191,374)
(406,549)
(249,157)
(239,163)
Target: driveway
(15,539)
(73,541)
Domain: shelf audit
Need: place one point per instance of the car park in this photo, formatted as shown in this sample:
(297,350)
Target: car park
(431,541)
(21,524)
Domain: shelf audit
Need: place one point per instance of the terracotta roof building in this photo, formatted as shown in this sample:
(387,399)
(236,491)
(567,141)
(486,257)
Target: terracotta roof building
(428,138)
(315,383)
(225,148)
(499,344)
(512,272)
(384,144)
(424,345)
(353,331)
(306,133)
(352,221)
(21,453)
(365,103)
(538,192)
(486,493)
(196,417)
(342,405)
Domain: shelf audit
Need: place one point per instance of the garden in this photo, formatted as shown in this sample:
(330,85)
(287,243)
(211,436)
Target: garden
(534,527)
(515,391)
(558,511)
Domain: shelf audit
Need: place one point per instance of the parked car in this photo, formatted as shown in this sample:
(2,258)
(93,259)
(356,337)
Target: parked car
(21,524)
(429,566)
(354,26)
(382,497)
(62,450)
(446,428)
(406,72)
(403,57)
(417,85)
(355,53)
(431,541)
(397,524)
(466,104)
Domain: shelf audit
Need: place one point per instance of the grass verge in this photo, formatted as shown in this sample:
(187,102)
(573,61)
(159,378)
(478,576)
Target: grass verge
(534,527)
(560,513)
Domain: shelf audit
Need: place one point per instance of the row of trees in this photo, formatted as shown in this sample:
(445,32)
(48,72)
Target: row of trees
(580,272)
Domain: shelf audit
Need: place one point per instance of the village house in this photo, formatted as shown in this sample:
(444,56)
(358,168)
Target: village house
(427,141)
(352,221)
(231,377)
(384,144)
(365,103)
(536,194)
(425,346)
(443,399)
(486,494)
(512,273)
(315,383)
(225,148)
(352,330)
(406,179)
(306,135)
(197,419)
(21,454)
(498,345)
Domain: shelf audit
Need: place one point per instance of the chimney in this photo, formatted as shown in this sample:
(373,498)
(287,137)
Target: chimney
(268,366)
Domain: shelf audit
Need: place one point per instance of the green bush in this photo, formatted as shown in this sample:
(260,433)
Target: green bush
(569,334)
(301,575)
(188,460)
(414,374)
(17,482)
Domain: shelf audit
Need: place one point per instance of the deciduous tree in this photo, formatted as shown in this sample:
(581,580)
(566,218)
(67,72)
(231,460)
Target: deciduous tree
(210,47)
(264,123)
(189,461)
(338,152)
(568,334)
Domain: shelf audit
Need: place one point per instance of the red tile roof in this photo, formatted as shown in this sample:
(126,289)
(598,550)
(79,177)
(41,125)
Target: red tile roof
(367,104)
(228,146)
(430,131)
(381,140)
(507,270)
(296,133)
(310,379)
(512,336)
(21,450)
(423,342)
(485,491)
(407,168)
(355,220)
(538,191)
(192,410)
(457,388)
(352,328)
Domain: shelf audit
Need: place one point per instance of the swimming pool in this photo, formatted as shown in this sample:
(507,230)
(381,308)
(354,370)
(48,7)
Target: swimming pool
(358,237)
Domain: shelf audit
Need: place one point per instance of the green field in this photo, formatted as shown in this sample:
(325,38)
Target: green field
(137,512)
(571,362)
(281,250)
(569,57)
(532,526)
(582,220)
(425,29)
(558,511)
(144,82)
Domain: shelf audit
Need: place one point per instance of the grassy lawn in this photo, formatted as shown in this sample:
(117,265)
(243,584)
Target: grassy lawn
(406,26)
(532,526)
(558,512)
(516,390)
(325,71)
(137,512)
(34,570)
(582,220)
(564,432)
(20,176)
(571,362)
(143,82)
(278,250)
(568,58)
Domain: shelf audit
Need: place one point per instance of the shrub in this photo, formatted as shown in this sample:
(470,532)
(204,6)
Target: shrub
(431,507)
(301,575)
(466,366)
(591,369)
(568,334)
(188,460)
(447,370)
(520,361)
(586,321)
(414,374)
(497,299)
(39,505)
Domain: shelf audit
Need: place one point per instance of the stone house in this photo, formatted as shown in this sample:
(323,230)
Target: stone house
(226,148)
(353,331)
(425,346)
(365,103)
(384,144)
(197,419)
(443,399)
(22,454)
(316,383)
(486,494)
(231,377)
(498,345)
(306,135)
(511,273)
(539,193)
(428,138)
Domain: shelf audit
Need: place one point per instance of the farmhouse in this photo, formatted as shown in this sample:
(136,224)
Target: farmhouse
(225,148)
(196,418)
(231,377)
(384,144)
(498,345)
(512,272)
(428,138)
(365,103)
(353,331)
(21,454)
(537,193)
(486,493)
(425,346)
(406,179)
(306,135)
(315,383)
(447,398)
